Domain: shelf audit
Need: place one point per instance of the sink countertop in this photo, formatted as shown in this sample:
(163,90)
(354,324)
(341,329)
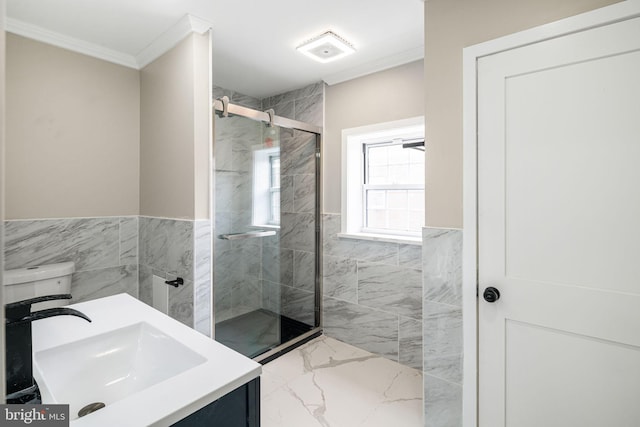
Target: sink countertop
(161,404)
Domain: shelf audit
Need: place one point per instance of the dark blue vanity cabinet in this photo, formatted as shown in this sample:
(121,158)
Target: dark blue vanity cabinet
(239,408)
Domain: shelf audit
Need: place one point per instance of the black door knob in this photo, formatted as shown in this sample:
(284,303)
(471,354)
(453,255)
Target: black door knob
(491,294)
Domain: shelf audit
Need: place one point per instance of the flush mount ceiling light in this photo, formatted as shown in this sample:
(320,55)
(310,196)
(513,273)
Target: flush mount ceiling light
(326,47)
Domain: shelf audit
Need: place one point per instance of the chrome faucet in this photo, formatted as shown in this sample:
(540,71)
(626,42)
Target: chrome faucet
(21,387)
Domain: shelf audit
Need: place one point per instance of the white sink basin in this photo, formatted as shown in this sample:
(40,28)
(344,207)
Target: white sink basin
(111,366)
(148,369)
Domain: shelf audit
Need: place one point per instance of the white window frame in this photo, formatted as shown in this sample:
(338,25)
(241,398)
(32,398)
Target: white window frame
(262,189)
(273,189)
(366,187)
(353,203)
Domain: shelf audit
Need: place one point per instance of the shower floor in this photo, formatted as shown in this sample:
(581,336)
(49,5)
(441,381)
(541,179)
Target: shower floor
(258,331)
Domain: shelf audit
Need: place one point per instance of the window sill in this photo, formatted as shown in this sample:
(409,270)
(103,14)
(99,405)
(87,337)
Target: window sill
(389,238)
(267,226)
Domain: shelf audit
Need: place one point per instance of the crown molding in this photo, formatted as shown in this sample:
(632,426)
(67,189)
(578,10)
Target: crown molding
(169,39)
(382,64)
(73,44)
(175,34)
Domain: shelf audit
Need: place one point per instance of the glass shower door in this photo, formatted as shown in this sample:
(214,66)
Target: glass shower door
(265,248)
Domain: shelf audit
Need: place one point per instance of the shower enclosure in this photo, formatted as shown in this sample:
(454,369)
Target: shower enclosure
(266,277)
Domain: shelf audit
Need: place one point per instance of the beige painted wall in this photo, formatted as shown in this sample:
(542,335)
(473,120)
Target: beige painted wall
(72,134)
(2,131)
(175,131)
(385,96)
(451,25)
(203,125)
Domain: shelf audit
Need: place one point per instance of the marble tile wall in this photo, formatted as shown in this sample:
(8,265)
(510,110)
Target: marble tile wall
(305,104)
(104,250)
(203,308)
(442,326)
(237,98)
(295,295)
(277,273)
(171,248)
(120,254)
(373,294)
(297,239)
(237,265)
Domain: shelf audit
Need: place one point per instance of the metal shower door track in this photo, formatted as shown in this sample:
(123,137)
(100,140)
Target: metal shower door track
(226,107)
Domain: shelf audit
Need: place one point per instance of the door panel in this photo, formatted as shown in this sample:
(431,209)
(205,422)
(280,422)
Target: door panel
(542,355)
(570,169)
(559,231)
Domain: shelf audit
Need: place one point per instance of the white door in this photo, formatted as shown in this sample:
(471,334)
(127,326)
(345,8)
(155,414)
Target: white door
(559,231)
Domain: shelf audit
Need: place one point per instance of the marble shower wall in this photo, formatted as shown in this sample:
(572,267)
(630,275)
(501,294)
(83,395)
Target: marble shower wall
(373,294)
(237,98)
(275,273)
(442,326)
(237,263)
(171,248)
(104,250)
(293,250)
(305,104)
(296,252)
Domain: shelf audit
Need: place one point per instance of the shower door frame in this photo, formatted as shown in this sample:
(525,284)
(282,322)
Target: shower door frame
(224,109)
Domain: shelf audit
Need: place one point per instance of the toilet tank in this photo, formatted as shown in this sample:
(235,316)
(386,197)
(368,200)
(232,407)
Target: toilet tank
(30,282)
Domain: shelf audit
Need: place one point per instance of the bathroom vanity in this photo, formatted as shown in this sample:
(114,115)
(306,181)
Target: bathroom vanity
(141,368)
(241,407)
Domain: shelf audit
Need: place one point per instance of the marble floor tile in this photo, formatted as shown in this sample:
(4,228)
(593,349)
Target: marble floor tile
(328,383)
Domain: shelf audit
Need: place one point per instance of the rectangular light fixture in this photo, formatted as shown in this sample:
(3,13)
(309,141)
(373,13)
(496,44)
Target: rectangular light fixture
(326,47)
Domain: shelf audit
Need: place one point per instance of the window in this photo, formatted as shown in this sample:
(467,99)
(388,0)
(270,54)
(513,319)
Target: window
(274,188)
(393,189)
(383,180)
(266,187)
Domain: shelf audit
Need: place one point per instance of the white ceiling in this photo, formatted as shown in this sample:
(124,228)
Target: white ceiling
(253,41)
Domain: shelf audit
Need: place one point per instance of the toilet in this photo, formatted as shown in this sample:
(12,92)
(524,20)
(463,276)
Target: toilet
(30,282)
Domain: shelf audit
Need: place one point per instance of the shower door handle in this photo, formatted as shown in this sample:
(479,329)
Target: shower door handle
(247,235)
